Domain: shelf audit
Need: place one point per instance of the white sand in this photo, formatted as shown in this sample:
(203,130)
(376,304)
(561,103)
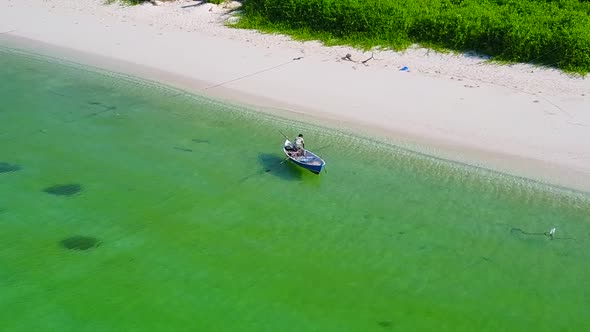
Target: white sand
(525,120)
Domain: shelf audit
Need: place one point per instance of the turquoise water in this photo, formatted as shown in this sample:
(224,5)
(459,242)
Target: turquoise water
(128,206)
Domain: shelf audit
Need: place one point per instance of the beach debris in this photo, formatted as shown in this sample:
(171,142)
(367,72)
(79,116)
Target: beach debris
(8,168)
(80,242)
(405,68)
(364,62)
(348,57)
(63,189)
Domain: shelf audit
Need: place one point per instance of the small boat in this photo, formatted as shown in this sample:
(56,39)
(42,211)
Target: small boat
(308,160)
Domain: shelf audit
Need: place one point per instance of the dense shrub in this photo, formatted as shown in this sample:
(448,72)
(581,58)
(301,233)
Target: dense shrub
(549,32)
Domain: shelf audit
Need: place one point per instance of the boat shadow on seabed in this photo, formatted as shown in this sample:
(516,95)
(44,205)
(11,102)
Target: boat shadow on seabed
(277,166)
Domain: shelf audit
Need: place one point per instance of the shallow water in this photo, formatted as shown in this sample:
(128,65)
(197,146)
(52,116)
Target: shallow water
(129,206)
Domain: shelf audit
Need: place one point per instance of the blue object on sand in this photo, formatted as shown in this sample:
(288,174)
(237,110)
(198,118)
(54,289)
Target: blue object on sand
(405,68)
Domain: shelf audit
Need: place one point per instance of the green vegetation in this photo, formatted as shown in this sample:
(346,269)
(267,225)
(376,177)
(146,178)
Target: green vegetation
(547,32)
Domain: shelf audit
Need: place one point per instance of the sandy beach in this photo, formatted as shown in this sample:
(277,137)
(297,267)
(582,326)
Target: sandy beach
(519,119)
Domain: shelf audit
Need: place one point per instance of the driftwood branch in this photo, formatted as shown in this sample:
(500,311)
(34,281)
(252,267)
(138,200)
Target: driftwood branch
(348,57)
(364,62)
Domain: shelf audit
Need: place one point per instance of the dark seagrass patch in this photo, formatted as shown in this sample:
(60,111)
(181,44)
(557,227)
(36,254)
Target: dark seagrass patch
(8,168)
(80,242)
(63,189)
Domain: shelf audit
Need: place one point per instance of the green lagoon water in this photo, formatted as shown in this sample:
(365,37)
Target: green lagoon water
(199,227)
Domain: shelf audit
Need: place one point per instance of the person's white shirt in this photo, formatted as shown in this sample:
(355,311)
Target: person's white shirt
(299,142)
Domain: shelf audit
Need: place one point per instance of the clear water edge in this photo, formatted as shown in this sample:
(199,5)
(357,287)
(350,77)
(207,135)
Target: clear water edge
(398,241)
(287,121)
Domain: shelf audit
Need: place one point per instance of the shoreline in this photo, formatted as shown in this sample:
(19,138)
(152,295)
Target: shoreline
(534,144)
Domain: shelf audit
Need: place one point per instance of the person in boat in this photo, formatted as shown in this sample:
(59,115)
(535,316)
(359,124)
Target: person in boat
(300,145)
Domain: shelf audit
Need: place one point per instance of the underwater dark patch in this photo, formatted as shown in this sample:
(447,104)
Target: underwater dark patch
(520,234)
(182,149)
(7,168)
(80,242)
(200,141)
(518,231)
(275,165)
(63,189)
(57,93)
(384,324)
(106,107)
